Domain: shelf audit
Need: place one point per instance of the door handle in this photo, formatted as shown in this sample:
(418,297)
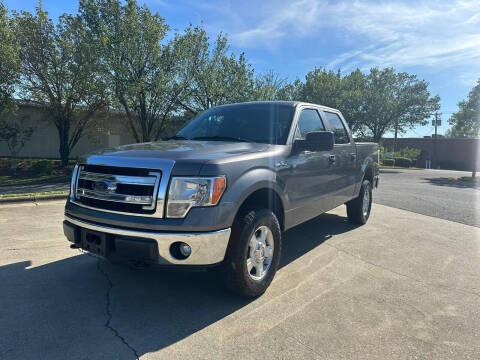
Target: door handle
(331,159)
(353,156)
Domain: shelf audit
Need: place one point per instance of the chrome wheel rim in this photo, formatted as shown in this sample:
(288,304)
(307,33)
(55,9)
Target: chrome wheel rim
(366,201)
(260,253)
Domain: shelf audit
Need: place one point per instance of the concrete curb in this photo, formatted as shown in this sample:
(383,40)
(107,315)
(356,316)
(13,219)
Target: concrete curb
(32,198)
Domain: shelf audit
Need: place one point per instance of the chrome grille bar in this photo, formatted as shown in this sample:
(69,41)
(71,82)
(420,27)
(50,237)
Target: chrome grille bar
(131,180)
(113,188)
(129,199)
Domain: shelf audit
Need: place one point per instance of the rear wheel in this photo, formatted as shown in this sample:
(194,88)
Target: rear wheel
(358,209)
(253,253)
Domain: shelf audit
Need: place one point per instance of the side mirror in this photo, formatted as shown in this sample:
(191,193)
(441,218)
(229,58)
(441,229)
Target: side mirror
(315,141)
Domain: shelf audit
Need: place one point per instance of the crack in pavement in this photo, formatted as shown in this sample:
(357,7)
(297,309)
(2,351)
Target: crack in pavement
(108,310)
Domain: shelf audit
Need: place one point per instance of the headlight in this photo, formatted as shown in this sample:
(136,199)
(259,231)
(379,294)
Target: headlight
(185,193)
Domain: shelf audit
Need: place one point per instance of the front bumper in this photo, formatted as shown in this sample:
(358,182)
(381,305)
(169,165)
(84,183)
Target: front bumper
(207,248)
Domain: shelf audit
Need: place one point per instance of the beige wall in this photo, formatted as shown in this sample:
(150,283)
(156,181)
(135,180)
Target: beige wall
(44,142)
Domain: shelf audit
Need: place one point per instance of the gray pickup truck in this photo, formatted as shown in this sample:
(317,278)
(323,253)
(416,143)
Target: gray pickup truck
(222,191)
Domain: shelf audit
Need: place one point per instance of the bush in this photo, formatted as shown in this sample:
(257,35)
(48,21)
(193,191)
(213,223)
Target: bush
(403,162)
(409,153)
(42,167)
(388,162)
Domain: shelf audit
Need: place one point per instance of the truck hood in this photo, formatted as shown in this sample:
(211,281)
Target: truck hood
(186,150)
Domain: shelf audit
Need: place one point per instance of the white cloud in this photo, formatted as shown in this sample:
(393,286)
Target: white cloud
(376,33)
(281,20)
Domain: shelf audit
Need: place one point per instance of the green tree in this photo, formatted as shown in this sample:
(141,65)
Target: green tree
(291,92)
(353,101)
(322,87)
(60,73)
(466,121)
(15,133)
(9,63)
(214,77)
(395,102)
(268,86)
(142,70)
(330,89)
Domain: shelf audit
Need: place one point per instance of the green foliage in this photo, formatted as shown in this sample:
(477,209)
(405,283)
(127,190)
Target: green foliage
(322,87)
(466,121)
(121,54)
(402,162)
(60,72)
(42,167)
(382,150)
(9,63)
(395,101)
(141,71)
(388,162)
(268,86)
(15,133)
(214,77)
(409,153)
(373,103)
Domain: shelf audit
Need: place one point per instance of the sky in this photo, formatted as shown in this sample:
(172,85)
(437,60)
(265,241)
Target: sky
(437,40)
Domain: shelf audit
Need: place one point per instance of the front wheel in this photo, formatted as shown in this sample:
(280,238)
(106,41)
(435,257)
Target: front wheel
(253,253)
(358,209)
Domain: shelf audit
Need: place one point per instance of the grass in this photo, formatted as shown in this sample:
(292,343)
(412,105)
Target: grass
(34,194)
(9,180)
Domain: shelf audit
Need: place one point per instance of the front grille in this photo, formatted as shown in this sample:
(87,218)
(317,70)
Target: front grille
(129,190)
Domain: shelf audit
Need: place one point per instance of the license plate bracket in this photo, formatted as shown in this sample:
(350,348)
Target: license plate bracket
(94,241)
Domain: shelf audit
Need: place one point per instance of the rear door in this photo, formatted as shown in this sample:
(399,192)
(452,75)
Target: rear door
(308,177)
(345,156)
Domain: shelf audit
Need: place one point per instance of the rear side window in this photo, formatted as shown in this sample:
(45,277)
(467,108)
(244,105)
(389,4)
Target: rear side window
(308,121)
(336,125)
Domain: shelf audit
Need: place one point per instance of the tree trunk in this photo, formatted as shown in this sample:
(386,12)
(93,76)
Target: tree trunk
(64,152)
(395,141)
(63,135)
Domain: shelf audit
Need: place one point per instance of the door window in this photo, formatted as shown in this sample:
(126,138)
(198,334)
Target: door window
(339,131)
(308,121)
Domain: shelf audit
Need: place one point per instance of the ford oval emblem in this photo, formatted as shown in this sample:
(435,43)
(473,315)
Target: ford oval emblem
(104,186)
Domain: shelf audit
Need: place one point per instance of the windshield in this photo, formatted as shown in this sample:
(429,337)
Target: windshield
(263,123)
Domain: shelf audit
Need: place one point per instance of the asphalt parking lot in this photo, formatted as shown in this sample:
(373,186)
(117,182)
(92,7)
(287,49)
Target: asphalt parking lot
(403,286)
(439,193)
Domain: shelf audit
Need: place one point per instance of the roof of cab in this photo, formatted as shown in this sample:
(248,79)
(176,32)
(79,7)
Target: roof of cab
(280,102)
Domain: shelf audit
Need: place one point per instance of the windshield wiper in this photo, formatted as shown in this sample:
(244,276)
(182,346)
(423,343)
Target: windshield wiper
(221,138)
(178,137)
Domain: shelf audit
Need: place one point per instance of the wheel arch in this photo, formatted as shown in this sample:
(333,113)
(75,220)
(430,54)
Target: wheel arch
(263,198)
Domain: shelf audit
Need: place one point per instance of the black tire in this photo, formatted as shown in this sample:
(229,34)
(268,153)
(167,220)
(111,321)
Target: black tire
(355,210)
(234,272)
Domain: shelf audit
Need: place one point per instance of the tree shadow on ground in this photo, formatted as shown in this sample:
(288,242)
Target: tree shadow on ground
(85,307)
(463,183)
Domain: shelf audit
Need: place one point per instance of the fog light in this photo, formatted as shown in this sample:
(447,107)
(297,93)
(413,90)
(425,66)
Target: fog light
(180,250)
(185,249)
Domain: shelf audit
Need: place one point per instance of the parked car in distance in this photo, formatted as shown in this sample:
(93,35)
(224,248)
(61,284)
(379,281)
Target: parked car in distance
(222,191)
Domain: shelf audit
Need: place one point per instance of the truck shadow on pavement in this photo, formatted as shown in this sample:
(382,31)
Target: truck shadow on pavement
(85,307)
